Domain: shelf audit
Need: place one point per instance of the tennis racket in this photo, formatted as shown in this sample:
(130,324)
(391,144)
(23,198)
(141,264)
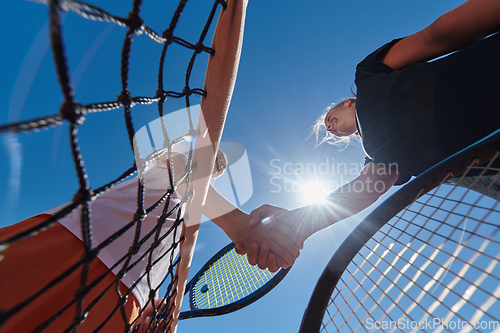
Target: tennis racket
(226,283)
(425,260)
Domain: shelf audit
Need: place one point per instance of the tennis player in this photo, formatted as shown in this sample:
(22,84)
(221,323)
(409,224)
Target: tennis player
(31,264)
(420,99)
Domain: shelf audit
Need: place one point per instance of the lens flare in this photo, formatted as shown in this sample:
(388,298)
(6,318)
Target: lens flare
(314,192)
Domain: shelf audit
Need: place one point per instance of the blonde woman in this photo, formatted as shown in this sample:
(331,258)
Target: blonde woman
(411,112)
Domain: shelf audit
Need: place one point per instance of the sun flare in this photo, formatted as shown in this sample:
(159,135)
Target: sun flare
(314,192)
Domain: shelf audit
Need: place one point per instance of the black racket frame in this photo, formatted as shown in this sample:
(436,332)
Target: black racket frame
(247,300)
(457,164)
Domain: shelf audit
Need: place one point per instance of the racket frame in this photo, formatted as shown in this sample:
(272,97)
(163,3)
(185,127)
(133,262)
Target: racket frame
(457,164)
(228,308)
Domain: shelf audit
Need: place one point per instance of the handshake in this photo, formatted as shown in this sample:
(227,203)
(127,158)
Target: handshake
(272,237)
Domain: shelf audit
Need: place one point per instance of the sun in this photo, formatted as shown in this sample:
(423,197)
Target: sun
(314,192)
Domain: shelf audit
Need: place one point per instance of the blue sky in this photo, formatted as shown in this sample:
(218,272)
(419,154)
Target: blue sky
(298,57)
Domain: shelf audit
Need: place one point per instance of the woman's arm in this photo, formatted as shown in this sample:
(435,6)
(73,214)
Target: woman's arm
(235,224)
(299,224)
(472,20)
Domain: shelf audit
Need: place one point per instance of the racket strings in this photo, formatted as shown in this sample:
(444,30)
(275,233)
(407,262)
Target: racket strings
(438,249)
(432,267)
(411,281)
(344,317)
(391,264)
(415,301)
(452,200)
(471,218)
(360,305)
(374,285)
(228,280)
(385,293)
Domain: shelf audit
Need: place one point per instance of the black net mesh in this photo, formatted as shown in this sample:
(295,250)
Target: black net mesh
(75,113)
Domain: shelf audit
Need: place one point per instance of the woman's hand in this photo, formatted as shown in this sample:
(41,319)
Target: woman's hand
(266,239)
(143,322)
(266,245)
(299,224)
(289,224)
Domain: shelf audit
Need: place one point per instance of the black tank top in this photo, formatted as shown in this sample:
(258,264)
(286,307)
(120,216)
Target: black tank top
(418,116)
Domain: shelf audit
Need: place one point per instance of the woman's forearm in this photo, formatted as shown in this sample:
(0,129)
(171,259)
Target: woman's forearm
(218,209)
(453,30)
(339,205)
(347,200)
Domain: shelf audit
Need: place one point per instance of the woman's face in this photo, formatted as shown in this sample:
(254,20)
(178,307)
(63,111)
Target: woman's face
(220,165)
(341,121)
